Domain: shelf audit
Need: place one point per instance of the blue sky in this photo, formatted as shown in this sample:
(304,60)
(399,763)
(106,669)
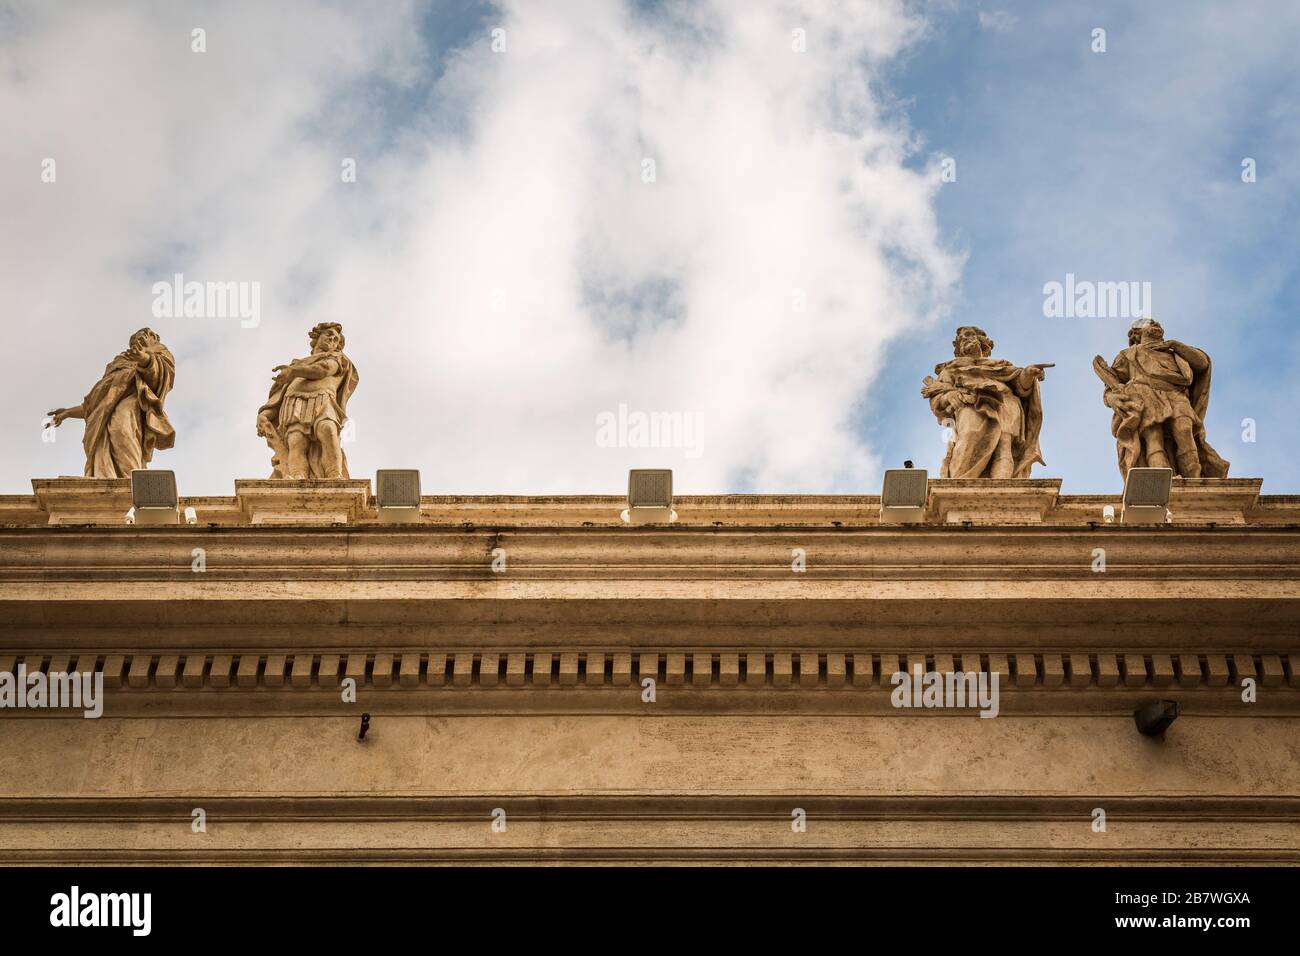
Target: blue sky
(1123,165)
(506,274)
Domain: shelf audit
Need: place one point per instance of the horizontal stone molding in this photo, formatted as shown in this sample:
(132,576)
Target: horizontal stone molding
(419,555)
(645,806)
(723,852)
(728,681)
(1201,501)
(1173,828)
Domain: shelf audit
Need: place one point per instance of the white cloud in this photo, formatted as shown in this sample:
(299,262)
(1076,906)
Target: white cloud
(519,186)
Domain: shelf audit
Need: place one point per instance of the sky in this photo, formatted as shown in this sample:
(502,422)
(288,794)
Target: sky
(541,223)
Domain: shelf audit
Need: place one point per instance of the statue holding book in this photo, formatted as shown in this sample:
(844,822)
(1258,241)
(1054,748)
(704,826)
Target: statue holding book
(1159,390)
(992,406)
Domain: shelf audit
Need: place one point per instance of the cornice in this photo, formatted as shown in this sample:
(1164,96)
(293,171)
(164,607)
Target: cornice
(102,502)
(700,681)
(418,553)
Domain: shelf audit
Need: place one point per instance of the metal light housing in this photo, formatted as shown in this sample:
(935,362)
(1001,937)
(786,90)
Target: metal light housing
(153,497)
(904,495)
(1146,496)
(649,496)
(397,495)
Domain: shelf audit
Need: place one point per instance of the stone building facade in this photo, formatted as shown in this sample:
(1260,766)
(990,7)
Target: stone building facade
(502,648)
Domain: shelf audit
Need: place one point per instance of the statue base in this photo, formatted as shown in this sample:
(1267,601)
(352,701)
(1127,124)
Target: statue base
(293,501)
(1213,500)
(70,501)
(993,500)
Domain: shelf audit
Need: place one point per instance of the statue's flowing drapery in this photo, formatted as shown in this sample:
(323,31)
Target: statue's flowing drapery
(992,401)
(1147,387)
(125,421)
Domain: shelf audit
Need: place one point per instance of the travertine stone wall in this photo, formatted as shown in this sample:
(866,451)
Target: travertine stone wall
(674,788)
(522,689)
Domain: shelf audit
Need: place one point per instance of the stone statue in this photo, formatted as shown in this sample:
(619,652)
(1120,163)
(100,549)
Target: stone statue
(308,405)
(124,414)
(1159,390)
(993,408)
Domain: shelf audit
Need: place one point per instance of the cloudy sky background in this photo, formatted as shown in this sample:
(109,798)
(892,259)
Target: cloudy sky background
(504,274)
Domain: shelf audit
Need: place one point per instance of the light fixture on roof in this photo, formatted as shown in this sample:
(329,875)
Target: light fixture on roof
(397,495)
(904,495)
(153,498)
(649,496)
(1146,496)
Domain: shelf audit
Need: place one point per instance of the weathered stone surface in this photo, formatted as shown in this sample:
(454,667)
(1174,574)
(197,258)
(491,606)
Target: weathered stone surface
(622,670)
(1162,670)
(1159,390)
(701,669)
(569,669)
(992,407)
(246,674)
(728,670)
(795,705)
(595,674)
(304,415)
(381,670)
(516,670)
(273,675)
(835,670)
(697,776)
(123,411)
(542,666)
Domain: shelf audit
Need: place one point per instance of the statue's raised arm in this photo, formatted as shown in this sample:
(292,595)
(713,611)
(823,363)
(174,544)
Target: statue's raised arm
(125,420)
(993,407)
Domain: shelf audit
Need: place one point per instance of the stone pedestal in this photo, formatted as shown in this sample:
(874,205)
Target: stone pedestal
(69,501)
(993,501)
(1213,500)
(288,501)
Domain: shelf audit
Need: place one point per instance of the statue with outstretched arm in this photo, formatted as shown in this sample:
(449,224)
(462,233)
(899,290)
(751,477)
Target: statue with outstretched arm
(123,412)
(992,406)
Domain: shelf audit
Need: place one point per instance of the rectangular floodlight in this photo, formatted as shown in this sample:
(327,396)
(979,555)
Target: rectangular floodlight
(904,496)
(397,495)
(1146,496)
(153,497)
(649,496)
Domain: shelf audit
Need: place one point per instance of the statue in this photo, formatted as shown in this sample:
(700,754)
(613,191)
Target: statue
(308,405)
(1159,390)
(993,407)
(124,415)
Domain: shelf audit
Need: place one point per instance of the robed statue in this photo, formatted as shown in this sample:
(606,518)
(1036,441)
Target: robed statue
(1159,390)
(302,420)
(993,408)
(125,420)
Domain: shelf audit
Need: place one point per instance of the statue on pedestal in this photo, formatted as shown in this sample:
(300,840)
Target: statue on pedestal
(304,415)
(993,408)
(1159,390)
(125,420)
